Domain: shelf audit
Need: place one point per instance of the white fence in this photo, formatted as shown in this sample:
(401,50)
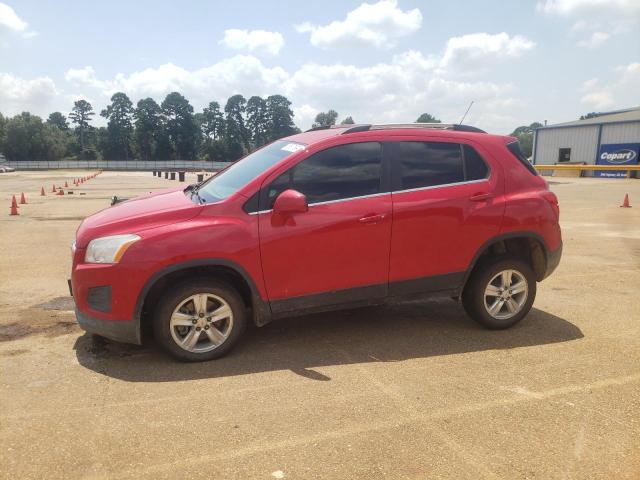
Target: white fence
(173,165)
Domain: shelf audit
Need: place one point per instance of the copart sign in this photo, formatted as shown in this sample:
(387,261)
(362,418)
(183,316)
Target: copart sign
(617,154)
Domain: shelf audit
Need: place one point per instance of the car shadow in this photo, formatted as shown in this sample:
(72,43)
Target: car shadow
(389,333)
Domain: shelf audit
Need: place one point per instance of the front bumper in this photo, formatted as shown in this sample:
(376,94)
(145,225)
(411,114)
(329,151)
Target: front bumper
(126,331)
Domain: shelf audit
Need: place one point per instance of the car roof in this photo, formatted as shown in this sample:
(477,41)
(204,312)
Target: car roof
(319,134)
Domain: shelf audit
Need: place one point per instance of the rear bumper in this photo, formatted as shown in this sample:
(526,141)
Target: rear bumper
(553,260)
(126,331)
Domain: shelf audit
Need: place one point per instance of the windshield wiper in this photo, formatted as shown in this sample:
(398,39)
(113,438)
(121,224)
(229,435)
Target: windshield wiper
(193,190)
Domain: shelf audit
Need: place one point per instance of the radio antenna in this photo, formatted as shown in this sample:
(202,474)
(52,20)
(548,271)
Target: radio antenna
(465,113)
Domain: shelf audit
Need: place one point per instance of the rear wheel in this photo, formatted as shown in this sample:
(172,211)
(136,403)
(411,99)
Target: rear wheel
(200,320)
(500,292)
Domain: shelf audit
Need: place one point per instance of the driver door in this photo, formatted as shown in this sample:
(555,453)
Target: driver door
(337,252)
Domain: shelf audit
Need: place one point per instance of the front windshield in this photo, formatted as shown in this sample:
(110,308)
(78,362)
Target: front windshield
(243,171)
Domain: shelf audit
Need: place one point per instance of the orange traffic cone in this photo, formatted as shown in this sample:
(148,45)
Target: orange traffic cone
(625,203)
(53,188)
(23,200)
(66,185)
(14,206)
(60,192)
(42,194)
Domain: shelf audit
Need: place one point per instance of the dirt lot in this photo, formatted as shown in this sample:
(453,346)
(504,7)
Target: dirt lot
(406,391)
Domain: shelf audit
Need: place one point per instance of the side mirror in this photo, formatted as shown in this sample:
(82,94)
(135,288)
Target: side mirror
(289,202)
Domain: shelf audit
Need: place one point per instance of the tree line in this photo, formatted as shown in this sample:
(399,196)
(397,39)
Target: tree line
(170,130)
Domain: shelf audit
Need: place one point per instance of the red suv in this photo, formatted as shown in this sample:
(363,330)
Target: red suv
(326,219)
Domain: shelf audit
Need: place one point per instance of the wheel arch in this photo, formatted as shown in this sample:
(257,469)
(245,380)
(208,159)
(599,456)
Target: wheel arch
(230,271)
(529,246)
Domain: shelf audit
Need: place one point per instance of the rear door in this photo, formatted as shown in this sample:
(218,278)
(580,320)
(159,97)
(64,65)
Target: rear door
(447,201)
(338,251)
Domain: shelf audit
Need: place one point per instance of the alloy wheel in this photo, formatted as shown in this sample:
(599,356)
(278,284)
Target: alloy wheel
(201,322)
(505,294)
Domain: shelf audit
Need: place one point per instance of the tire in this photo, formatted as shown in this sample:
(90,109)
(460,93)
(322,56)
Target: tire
(178,319)
(478,298)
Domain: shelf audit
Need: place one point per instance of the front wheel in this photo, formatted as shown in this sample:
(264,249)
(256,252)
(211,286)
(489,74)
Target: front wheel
(500,292)
(199,320)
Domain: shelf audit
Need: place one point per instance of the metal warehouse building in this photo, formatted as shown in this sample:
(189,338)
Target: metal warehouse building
(611,138)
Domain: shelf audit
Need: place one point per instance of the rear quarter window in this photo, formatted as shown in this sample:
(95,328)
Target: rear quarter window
(475,166)
(514,148)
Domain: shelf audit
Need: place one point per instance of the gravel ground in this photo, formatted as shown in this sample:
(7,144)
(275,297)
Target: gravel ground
(413,390)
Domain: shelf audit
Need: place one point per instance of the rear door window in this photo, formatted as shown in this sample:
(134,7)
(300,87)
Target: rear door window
(337,173)
(427,164)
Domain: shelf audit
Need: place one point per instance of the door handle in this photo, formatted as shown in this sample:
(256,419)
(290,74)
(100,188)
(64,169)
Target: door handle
(372,218)
(479,197)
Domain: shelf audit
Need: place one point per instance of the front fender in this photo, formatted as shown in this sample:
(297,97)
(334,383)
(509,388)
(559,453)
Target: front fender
(230,242)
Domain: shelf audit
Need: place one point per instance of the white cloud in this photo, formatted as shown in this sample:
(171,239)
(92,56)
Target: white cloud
(378,24)
(10,19)
(589,85)
(253,40)
(305,114)
(622,92)
(599,99)
(398,91)
(395,91)
(480,50)
(605,18)
(576,7)
(84,76)
(595,40)
(630,74)
(239,74)
(18,94)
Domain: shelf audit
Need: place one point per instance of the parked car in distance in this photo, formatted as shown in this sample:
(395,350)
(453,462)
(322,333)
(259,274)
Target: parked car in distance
(6,169)
(322,220)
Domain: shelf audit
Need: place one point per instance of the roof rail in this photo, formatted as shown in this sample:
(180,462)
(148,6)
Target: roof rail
(437,126)
(467,128)
(321,127)
(339,125)
(356,129)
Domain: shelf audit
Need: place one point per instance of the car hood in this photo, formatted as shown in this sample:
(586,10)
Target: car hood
(141,213)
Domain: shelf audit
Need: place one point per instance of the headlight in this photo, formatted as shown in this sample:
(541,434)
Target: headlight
(109,249)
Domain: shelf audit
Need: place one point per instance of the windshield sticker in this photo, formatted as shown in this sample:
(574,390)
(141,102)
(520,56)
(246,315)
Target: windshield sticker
(293,147)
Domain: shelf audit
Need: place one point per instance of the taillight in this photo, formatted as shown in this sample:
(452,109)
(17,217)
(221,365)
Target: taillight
(553,201)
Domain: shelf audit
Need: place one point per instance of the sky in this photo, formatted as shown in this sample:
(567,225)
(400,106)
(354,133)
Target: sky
(377,61)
